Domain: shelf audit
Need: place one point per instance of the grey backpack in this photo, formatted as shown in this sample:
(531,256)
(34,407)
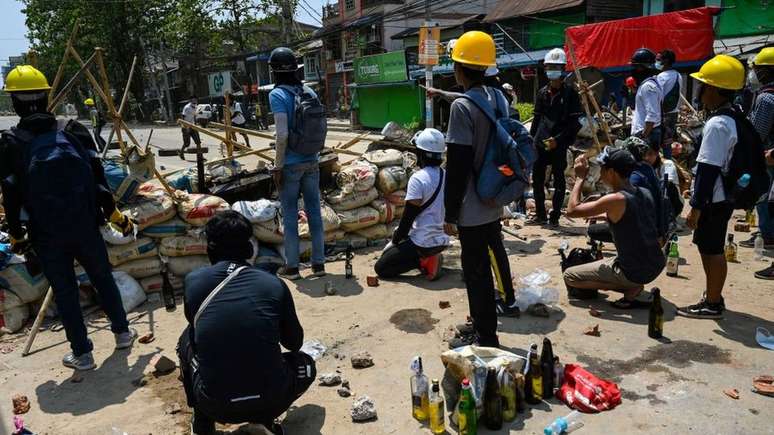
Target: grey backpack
(310,125)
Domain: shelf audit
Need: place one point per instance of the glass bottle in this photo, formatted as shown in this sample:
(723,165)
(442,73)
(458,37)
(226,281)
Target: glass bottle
(419,393)
(436,409)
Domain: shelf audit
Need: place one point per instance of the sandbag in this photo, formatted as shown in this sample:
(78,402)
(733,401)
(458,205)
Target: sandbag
(142,268)
(334,236)
(182,246)
(330,220)
(154,284)
(374,232)
(182,266)
(363,217)
(132,294)
(141,248)
(125,179)
(150,208)
(13,313)
(27,287)
(409,161)
(197,209)
(391,178)
(269,232)
(386,210)
(187,180)
(342,201)
(257,211)
(382,158)
(170,228)
(113,235)
(357,176)
(396,198)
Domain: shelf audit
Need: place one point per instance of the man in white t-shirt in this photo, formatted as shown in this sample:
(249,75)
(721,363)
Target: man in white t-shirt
(189,115)
(710,212)
(420,238)
(646,119)
(671,83)
(238,118)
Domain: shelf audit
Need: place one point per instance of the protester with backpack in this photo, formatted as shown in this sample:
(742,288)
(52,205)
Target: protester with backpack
(671,83)
(301,128)
(729,174)
(419,239)
(762,118)
(556,124)
(51,169)
(646,119)
(486,169)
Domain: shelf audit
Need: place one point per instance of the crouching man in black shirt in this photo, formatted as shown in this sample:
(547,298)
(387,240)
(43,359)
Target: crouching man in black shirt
(232,367)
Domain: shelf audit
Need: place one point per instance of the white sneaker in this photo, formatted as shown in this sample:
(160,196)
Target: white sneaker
(125,340)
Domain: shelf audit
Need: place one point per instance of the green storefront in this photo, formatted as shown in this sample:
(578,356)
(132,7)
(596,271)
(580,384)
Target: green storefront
(383,92)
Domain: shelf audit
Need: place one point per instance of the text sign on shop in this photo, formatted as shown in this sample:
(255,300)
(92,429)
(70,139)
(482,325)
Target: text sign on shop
(381,68)
(219,83)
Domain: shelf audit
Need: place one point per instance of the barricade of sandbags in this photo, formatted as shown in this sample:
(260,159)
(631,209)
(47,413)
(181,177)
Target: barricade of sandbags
(262,210)
(150,208)
(143,247)
(13,312)
(142,268)
(391,178)
(17,280)
(358,176)
(342,201)
(182,266)
(383,158)
(359,218)
(154,284)
(171,228)
(181,246)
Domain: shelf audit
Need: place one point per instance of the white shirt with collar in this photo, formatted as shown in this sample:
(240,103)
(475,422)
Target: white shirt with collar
(189,113)
(647,105)
(717,146)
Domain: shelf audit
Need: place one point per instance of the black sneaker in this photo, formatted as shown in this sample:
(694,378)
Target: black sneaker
(201,424)
(290,273)
(505,310)
(536,220)
(703,310)
(553,223)
(749,243)
(462,340)
(318,270)
(767,273)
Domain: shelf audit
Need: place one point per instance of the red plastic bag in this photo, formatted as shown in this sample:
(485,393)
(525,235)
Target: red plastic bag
(587,393)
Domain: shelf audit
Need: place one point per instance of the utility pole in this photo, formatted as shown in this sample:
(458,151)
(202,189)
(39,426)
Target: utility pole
(428,72)
(170,104)
(154,82)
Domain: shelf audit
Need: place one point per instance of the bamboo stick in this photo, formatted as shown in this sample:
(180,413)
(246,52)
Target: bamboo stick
(60,70)
(126,90)
(66,89)
(242,130)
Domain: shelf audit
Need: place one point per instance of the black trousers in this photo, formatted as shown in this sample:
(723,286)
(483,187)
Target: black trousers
(189,133)
(502,270)
(401,258)
(557,159)
(475,242)
(300,370)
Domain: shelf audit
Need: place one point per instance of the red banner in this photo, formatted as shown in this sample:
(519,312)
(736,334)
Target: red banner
(688,33)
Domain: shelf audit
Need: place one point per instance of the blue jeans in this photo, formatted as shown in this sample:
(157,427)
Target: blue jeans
(56,260)
(302,179)
(765,220)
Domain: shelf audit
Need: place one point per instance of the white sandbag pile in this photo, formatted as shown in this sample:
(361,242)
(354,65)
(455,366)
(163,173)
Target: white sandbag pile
(197,209)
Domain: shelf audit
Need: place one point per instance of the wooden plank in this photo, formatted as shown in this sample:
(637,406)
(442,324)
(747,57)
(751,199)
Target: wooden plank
(584,98)
(66,89)
(126,89)
(60,70)
(223,139)
(242,130)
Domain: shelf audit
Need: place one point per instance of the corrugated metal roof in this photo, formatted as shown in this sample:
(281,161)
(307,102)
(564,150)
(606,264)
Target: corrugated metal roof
(517,8)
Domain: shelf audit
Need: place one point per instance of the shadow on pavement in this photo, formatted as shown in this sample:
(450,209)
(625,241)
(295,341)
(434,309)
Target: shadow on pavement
(306,419)
(637,316)
(740,327)
(344,287)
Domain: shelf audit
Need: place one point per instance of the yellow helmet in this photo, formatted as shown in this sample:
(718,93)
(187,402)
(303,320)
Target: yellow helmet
(723,72)
(765,57)
(88,101)
(25,78)
(476,49)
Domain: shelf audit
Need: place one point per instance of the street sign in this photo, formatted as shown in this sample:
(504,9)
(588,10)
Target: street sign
(381,68)
(528,72)
(219,83)
(343,66)
(429,45)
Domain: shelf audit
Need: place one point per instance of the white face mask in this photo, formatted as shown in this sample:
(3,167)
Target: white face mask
(553,74)
(659,66)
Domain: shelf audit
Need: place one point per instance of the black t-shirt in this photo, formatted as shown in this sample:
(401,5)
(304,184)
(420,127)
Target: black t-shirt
(237,338)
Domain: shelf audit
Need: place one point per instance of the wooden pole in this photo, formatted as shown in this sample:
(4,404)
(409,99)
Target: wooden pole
(60,71)
(66,89)
(227,122)
(126,90)
(242,130)
(584,97)
(223,139)
(38,320)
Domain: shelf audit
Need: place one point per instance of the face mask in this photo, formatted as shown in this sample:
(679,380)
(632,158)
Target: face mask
(553,74)
(659,66)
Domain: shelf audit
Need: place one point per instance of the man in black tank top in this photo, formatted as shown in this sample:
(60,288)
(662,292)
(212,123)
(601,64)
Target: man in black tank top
(631,214)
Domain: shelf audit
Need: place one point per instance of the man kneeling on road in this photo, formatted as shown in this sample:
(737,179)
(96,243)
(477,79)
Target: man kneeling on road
(630,212)
(419,239)
(232,367)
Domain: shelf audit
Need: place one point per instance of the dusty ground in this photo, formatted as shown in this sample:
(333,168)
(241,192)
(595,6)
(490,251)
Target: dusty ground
(670,386)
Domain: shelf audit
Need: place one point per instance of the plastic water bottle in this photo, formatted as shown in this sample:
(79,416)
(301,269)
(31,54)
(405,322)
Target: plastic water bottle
(565,424)
(759,247)
(743,181)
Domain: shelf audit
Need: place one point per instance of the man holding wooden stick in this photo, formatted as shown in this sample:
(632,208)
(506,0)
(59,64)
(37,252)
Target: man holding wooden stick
(52,170)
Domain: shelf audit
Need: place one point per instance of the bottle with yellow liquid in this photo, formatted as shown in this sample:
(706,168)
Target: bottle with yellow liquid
(436,409)
(750,218)
(507,391)
(731,249)
(420,401)
(533,388)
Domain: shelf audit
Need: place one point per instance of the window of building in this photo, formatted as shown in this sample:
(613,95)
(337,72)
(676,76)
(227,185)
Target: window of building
(349,4)
(333,47)
(681,5)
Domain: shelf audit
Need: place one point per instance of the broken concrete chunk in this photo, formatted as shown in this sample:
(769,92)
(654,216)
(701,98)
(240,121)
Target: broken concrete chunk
(21,404)
(363,409)
(444,305)
(592,331)
(330,379)
(344,392)
(362,360)
(344,383)
(732,393)
(539,310)
(162,365)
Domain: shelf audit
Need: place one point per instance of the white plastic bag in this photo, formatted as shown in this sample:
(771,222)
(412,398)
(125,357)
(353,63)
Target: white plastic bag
(533,290)
(257,211)
(114,236)
(132,294)
(314,348)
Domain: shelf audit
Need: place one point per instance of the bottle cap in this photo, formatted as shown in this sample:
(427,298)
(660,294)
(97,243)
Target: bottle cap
(465,382)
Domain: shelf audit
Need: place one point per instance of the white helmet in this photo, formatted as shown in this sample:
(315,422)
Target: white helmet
(430,140)
(491,71)
(507,86)
(555,56)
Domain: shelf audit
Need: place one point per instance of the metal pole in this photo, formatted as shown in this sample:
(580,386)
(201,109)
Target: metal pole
(428,73)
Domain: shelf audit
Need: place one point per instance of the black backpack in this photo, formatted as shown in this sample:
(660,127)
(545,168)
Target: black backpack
(576,257)
(747,158)
(310,126)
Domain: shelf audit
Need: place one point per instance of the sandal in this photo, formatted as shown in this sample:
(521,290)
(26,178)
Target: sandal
(626,304)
